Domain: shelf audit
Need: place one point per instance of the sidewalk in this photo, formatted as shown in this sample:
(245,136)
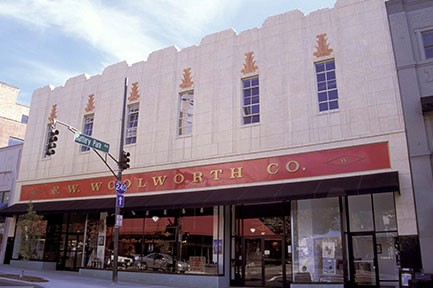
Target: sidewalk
(67,279)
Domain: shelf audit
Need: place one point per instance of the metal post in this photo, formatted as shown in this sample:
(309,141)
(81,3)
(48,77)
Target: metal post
(119,178)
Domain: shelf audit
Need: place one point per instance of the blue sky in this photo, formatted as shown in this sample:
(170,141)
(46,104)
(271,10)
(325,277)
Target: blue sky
(46,42)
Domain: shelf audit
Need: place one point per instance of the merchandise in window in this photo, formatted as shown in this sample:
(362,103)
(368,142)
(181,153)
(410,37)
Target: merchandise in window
(251,100)
(318,250)
(326,85)
(131,125)
(186,106)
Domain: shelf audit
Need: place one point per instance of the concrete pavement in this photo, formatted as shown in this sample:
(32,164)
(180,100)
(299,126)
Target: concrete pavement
(68,279)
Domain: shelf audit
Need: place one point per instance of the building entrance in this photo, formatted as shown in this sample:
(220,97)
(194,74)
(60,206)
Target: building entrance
(262,246)
(264,261)
(363,260)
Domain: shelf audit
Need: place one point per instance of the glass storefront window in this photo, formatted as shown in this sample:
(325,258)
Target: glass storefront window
(318,255)
(37,247)
(361,216)
(170,241)
(384,212)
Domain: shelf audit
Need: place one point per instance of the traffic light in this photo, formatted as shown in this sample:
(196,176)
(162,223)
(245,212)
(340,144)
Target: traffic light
(52,139)
(124,160)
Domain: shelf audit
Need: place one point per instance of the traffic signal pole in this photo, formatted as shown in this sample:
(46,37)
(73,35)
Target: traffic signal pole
(119,177)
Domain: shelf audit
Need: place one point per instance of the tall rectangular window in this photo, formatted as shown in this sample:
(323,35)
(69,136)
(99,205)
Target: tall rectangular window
(87,129)
(251,100)
(427,41)
(186,106)
(131,124)
(326,85)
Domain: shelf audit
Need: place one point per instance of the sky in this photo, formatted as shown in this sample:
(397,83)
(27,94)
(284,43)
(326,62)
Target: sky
(46,42)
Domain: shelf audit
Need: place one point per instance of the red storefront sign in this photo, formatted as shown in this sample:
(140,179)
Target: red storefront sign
(311,164)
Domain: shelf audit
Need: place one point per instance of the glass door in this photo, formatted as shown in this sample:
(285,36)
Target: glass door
(363,260)
(264,262)
(253,262)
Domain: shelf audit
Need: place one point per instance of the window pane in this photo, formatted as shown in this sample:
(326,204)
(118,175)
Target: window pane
(255,100)
(247,83)
(429,52)
(255,109)
(333,105)
(330,65)
(323,106)
(384,212)
(247,120)
(247,110)
(330,75)
(320,67)
(361,213)
(427,38)
(247,93)
(332,84)
(333,94)
(321,86)
(317,240)
(24,119)
(323,97)
(321,77)
(386,256)
(256,119)
(255,91)
(247,101)
(255,81)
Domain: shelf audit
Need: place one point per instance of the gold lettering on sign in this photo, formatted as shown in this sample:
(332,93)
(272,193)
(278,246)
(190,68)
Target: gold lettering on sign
(236,172)
(73,188)
(197,177)
(55,190)
(216,174)
(292,166)
(127,182)
(96,186)
(110,185)
(141,183)
(272,168)
(160,180)
(178,178)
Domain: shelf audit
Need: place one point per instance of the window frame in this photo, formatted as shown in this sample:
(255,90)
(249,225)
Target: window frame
(13,141)
(86,127)
(324,88)
(133,110)
(185,123)
(249,116)
(419,34)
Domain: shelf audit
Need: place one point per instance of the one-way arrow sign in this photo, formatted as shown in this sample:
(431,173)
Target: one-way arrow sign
(120,200)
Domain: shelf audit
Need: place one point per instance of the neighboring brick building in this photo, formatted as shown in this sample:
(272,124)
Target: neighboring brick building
(13,116)
(272,157)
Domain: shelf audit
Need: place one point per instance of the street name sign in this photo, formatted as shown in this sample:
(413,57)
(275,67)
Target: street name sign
(91,142)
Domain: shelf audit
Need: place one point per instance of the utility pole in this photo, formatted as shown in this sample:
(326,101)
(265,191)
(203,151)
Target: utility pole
(119,178)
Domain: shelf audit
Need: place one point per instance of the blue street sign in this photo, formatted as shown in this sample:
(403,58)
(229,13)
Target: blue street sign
(120,200)
(120,187)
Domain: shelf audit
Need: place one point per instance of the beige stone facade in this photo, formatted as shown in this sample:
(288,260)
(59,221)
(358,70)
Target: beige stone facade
(284,54)
(11,115)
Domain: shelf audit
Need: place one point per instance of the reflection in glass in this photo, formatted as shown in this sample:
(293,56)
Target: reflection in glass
(363,255)
(361,216)
(384,212)
(317,241)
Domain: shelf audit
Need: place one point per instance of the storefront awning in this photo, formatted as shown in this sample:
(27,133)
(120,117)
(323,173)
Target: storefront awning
(333,187)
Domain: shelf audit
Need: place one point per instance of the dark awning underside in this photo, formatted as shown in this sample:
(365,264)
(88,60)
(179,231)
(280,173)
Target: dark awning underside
(342,186)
